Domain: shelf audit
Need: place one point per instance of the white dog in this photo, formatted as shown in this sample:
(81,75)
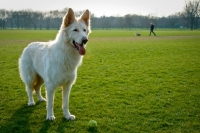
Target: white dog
(55,63)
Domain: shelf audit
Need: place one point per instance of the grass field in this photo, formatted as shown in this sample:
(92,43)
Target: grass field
(126,83)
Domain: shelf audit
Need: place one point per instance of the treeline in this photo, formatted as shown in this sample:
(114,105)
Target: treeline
(138,21)
(29,19)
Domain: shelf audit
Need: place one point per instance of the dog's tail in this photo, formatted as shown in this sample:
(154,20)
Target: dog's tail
(37,83)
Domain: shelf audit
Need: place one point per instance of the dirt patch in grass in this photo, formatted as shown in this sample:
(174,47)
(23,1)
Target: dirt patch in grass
(142,38)
(8,42)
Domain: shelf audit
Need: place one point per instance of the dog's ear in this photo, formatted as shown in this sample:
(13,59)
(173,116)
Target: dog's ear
(69,18)
(86,17)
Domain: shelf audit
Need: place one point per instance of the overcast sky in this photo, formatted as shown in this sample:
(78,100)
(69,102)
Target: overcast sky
(100,7)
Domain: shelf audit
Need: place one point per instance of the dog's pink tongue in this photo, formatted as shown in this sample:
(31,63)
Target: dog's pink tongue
(81,50)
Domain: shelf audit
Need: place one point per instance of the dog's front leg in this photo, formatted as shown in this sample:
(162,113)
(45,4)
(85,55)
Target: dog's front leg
(65,101)
(50,102)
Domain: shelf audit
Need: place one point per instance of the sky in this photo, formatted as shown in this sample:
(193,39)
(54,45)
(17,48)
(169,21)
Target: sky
(100,7)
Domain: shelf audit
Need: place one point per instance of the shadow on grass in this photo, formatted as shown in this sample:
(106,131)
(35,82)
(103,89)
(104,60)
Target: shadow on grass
(65,125)
(47,124)
(45,127)
(19,121)
(93,130)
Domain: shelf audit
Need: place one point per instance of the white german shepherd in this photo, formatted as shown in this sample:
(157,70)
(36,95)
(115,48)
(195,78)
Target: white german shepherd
(55,63)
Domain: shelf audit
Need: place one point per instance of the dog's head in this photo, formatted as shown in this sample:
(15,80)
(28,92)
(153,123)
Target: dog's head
(77,30)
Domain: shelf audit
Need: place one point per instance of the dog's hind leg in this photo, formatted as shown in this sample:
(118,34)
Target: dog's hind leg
(37,86)
(29,78)
(30,95)
(28,75)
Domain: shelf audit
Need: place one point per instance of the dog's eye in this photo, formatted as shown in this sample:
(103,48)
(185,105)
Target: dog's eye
(84,30)
(75,30)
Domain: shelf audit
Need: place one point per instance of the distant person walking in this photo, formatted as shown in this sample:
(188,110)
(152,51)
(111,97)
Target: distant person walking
(151,30)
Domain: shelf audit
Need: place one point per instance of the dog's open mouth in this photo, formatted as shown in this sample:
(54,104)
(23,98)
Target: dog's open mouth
(79,47)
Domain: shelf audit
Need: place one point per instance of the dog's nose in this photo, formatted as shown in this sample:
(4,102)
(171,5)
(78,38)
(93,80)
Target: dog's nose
(84,40)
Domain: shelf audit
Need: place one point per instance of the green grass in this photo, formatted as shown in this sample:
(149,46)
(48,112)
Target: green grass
(126,83)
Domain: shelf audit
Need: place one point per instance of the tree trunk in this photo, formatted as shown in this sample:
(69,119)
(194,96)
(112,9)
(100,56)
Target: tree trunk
(192,23)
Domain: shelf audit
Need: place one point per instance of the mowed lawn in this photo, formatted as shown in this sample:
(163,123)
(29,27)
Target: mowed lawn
(126,83)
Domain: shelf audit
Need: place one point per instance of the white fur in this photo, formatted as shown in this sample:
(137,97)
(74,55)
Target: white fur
(55,63)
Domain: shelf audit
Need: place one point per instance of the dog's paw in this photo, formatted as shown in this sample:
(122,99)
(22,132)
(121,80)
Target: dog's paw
(42,100)
(70,117)
(51,118)
(31,104)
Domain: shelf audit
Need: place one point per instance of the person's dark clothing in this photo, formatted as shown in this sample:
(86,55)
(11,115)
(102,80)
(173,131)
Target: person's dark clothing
(151,30)
(152,27)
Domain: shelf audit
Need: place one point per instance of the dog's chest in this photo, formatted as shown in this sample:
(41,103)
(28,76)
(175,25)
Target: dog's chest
(65,69)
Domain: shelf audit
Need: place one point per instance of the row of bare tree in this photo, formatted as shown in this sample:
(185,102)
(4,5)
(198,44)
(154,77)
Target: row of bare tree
(28,19)
(191,13)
